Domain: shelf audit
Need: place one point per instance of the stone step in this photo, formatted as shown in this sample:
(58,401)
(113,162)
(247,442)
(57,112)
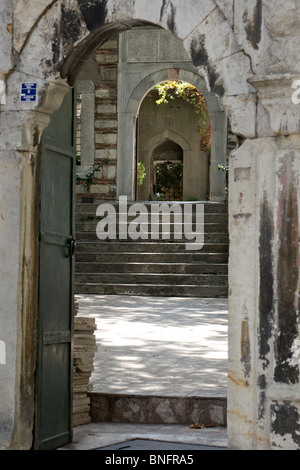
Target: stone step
(115,247)
(162,267)
(153,278)
(142,257)
(168,237)
(151,233)
(154,257)
(183,268)
(152,289)
(126,246)
(84,219)
(143,409)
(209,207)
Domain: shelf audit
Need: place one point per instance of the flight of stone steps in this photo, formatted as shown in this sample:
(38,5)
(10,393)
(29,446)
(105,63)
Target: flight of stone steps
(160,267)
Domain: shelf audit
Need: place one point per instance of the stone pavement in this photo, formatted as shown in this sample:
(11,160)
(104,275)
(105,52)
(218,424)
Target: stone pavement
(101,435)
(159,345)
(166,346)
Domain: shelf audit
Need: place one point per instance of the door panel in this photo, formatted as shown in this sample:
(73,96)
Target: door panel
(54,373)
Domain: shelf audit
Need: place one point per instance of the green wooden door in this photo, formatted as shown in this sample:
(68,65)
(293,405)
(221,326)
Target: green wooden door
(54,373)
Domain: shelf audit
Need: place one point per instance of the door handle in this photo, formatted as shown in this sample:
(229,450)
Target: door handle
(71,247)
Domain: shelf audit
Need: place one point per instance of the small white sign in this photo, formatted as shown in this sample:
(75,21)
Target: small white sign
(2,353)
(2,92)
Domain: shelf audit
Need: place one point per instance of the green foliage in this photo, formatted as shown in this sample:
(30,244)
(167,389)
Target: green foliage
(141,173)
(169,180)
(89,177)
(225,168)
(177,89)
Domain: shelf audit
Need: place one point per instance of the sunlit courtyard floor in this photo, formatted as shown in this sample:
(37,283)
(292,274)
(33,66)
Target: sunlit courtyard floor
(159,345)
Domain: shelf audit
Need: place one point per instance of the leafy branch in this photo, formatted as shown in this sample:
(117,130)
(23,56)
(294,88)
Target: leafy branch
(89,178)
(225,169)
(177,89)
(141,173)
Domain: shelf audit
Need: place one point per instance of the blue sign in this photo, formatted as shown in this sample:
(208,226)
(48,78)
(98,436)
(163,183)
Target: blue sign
(28,92)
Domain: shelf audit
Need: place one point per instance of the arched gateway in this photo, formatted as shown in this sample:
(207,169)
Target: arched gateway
(252,76)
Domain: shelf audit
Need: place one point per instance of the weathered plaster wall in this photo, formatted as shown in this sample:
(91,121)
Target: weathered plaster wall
(6,11)
(9,214)
(246,50)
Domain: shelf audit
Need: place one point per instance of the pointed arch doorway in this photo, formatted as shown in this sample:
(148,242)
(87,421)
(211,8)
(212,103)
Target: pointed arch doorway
(165,147)
(167,171)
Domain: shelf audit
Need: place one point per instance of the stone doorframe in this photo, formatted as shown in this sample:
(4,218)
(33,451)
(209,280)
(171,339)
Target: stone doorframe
(158,139)
(130,97)
(87,134)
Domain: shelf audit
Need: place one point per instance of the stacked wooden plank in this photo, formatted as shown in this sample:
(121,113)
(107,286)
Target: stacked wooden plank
(84,351)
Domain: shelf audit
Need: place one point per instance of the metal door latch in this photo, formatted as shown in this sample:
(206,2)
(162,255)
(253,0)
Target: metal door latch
(70,244)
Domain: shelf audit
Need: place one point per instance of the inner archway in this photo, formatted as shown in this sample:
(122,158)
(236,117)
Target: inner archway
(174,128)
(132,92)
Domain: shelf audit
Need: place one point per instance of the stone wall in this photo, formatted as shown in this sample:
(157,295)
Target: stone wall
(84,351)
(120,63)
(105,132)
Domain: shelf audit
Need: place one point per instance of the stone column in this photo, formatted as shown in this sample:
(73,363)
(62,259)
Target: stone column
(21,130)
(87,135)
(218,154)
(10,234)
(126,146)
(264,197)
(18,287)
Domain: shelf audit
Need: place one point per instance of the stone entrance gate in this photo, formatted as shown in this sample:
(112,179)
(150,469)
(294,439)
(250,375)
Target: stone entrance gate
(246,53)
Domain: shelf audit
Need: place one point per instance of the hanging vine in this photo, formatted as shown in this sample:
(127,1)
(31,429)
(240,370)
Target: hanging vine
(177,89)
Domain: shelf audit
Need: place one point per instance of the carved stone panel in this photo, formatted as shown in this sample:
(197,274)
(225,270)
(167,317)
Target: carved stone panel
(150,45)
(142,47)
(171,48)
